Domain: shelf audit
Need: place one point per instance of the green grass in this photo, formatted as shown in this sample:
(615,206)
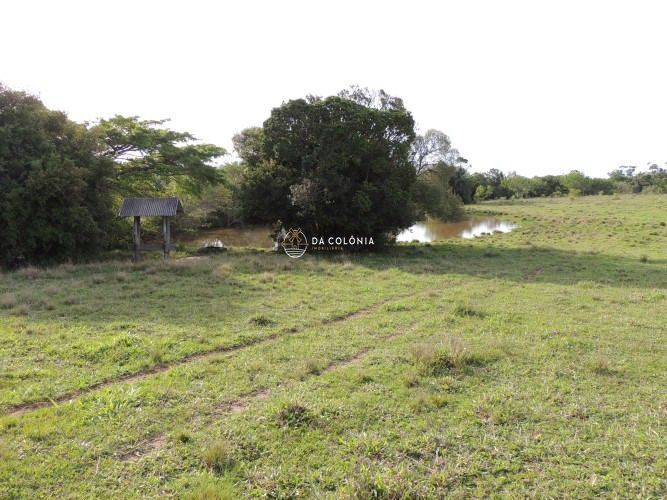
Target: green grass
(525,364)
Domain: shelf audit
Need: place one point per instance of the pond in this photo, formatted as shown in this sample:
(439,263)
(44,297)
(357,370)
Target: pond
(467,228)
(256,237)
(424,232)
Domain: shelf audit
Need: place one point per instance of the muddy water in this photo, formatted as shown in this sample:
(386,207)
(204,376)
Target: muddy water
(424,231)
(469,227)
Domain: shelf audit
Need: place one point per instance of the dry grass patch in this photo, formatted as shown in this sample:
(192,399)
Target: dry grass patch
(8,301)
(223,272)
(442,357)
(219,456)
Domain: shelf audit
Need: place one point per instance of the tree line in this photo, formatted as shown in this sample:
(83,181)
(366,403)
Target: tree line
(352,163)
(494,184)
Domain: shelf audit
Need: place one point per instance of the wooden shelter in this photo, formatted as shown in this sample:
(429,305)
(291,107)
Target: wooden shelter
(151,207)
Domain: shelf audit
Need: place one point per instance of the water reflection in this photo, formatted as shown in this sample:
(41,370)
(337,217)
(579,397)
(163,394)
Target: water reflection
(469,227)
(424,231)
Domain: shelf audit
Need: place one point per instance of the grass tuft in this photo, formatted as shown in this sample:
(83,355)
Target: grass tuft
(424,402)
(437,359)
(157,354)
(267,278)
(294,415)
(219,456)
(8,301)
(184,437)
(31,273)
(214,489)
(261,320)
(223,272)
(467,312)
(600,366)
(21,310)
(121,276)
(312,366)
(411,379)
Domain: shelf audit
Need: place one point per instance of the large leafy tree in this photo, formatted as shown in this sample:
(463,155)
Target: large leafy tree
(338,165)
(150,159)
(54,188)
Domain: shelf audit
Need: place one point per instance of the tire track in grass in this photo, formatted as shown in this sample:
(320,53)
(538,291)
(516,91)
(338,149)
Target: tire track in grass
(240,404)
(20,409)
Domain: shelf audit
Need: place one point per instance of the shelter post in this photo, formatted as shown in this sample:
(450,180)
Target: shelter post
(136,237)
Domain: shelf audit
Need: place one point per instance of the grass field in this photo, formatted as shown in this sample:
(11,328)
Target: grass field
(531,364)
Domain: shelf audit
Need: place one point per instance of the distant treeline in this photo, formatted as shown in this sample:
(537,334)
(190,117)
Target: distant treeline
(494,184)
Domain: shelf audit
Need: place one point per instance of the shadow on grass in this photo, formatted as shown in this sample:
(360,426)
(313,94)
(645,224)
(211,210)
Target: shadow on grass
(525,265)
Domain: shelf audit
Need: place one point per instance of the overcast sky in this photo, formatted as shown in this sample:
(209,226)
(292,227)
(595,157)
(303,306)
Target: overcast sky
(537,87)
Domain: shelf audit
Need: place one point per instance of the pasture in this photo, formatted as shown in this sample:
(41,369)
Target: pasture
(532,363)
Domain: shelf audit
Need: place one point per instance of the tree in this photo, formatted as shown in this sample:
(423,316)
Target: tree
(492,183)
(368,98)
(430,149)
(54,188)
(333,166)
(216,206)
(463,184)
(150,159)
(248,145)
(517,185)
(482,193)
(434,193)
(577,183)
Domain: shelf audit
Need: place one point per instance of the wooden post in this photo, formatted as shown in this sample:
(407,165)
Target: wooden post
(166,231)
(136,237)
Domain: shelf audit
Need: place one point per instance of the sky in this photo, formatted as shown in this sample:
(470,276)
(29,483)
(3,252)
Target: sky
(534,87)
